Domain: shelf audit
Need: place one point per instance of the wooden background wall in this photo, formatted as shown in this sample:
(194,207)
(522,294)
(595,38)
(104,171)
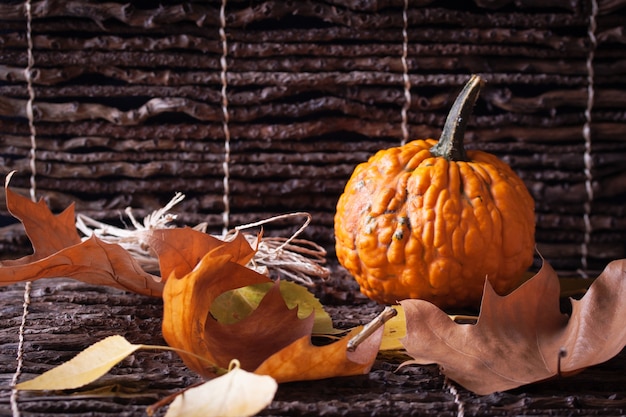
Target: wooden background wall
(128,106)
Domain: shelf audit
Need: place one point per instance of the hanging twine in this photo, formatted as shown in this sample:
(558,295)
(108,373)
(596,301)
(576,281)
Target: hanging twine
(405,75)
(28,74)
(452,389)
(226,119)
(587,156)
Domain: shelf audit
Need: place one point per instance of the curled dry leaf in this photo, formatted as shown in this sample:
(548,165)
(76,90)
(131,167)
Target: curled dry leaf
(518,338)
(188,324)
(275,331)
(187,299)
(302,360)
(179,250)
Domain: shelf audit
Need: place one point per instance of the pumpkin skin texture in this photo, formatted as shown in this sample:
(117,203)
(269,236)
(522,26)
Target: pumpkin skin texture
(413,224)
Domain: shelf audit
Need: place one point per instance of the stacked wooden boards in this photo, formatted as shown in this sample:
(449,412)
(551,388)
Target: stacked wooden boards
(129,105)
(91,313)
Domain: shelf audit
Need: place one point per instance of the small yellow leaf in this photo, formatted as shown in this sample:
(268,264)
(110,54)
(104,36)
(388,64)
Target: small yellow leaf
(395,329)
(297,295)
(86,367)
(237,393)
(234,305)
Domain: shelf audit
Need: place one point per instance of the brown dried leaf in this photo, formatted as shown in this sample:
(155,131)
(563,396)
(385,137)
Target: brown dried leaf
(59,252)
(596,330)
(48,233)
(301,360)
(179,250)
(92,261)
(272,338)
(519,337)
(188,324)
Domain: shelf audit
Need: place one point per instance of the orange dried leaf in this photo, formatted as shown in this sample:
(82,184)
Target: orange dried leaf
(59,252)
(180,249)
(271,335)
(48,233)
(187,303)
(302,361)
(92,261)
(518,338)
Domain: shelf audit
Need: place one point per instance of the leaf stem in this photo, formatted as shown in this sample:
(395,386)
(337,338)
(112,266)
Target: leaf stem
(153,408)
(371,327)
(215,368)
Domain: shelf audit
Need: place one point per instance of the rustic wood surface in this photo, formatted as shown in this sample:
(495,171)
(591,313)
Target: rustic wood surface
(66,316)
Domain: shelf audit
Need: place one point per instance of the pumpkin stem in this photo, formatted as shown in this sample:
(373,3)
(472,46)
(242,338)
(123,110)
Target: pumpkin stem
(450,145)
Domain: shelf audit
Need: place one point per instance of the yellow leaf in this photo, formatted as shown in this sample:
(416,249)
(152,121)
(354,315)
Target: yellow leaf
(395,329)
(234,305)
(86,367)
(237,393)
(297,295)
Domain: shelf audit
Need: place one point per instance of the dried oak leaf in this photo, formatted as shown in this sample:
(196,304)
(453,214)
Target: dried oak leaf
(179,250)
(59,252)
(270,333)
(47,232)
(519,338)
(302,360)
(92,261)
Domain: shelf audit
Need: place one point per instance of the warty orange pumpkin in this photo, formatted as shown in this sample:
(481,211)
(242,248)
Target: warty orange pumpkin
(430,220)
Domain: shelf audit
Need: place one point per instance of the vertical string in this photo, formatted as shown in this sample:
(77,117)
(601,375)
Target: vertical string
(460,405)
(226,119)
(15,411)
(28,74)
(405,74)
(587,157)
